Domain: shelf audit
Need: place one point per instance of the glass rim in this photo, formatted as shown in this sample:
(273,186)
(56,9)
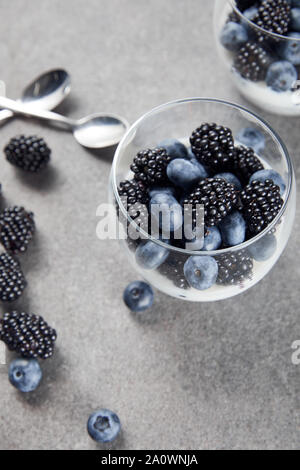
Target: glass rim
(241,246)
(254,25)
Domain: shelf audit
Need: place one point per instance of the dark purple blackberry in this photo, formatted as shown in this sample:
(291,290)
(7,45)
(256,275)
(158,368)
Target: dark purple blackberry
(218,198)
(273,16)
(150,166)
(133,194)
(172,269)
(261,202)
(28,153)
(28,335)
(234,268)
(12,280)
(246,163)
(16,229)
(213,145)
(252,62)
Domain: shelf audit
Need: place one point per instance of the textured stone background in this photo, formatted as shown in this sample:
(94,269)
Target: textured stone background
(183,376)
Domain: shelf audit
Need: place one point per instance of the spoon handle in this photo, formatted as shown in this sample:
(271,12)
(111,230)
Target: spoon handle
(29,110)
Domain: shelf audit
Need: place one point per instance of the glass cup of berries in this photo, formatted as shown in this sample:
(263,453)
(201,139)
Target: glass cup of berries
(259,41)
(204,193)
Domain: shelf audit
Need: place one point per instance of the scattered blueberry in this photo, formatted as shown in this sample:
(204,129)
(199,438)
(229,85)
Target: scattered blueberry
(201,272)
(167,212)
(233,36)
(185,173)
(212,239)
(174,148)
(138,296)
(231,178)
(150,255)
(253,138)
(295,13)
(264,248)
(25,374)
(281,76)
(233,229)
(290,50)
(103,426)
(264,175)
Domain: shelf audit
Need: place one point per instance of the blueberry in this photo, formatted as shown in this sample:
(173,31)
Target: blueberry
(290,50)
(233,229)
(201,272)
(231,178)
(264,248)
(138,296)
(264,175)
(295,13)
(162,189)
(167,212)
(25,374)
(233,36)
(174,148)
(150,255)
(185,173)
(103,426)
(281,76)
(212,240)
(253,138)
(250,13)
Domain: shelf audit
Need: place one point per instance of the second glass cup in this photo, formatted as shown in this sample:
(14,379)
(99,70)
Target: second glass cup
(264,66)
(234,269)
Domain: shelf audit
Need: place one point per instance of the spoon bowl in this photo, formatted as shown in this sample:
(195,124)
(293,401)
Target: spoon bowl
(100,130)
(48,90)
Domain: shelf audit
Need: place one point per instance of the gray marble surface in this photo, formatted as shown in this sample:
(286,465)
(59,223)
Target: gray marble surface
(184,376)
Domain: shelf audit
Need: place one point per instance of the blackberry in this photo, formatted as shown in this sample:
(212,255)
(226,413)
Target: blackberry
(246,163)
(28,153)
(150,166)
(28,335)
(252,62)
(172,269)
(133,194)
(273,16)
(234,268)
(218,198)
(16,229)
(12,280)
(213,145)
(261,202)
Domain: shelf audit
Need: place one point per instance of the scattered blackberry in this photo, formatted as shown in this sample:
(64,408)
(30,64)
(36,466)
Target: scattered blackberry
(246,163)
(261,203)
(149,166)
(172,269)
(234,268)
(16,229)
(218,197)
(252,62)
(273,16)
(213,145)
(28,153)
(12,281)
(28,335)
